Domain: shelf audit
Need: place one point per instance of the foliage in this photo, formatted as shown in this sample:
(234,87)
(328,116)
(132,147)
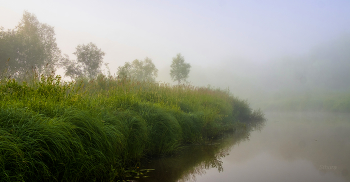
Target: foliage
(88,63)
(139,70)
(124,71)
(72,68)
(179,69)
(30,45)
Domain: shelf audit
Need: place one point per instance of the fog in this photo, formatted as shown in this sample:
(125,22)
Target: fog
(258,49)
(279,55)
(324,69)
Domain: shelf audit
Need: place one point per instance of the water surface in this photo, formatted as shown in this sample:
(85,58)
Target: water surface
(291,147)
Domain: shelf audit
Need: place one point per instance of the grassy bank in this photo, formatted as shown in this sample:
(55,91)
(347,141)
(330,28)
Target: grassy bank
(95,129)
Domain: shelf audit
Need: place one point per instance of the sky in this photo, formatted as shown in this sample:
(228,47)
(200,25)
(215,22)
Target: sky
(206,33)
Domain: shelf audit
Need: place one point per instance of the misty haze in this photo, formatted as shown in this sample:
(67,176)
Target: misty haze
(175,91)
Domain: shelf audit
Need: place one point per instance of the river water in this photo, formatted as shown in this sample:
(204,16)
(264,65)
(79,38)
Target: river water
(294,147)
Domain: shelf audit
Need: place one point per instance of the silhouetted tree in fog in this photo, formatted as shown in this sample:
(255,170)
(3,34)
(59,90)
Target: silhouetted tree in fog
(88,63)
(179,69)
(139,70)
(30,44)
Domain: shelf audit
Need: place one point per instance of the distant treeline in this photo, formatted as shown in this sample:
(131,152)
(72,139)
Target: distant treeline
(327,102)
(317,79)
(31,46)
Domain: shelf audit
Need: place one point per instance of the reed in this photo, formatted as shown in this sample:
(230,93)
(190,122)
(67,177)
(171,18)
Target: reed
(52,130)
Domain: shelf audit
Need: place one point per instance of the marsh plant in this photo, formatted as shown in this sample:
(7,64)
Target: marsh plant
(97,129)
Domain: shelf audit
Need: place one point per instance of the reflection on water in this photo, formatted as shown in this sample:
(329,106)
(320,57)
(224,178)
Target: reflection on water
(291,147)
(195,160)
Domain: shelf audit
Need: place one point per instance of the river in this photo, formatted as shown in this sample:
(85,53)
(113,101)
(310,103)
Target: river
(290,147)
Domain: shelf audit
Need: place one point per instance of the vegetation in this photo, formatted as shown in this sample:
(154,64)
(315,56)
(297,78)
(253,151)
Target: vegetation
(89,61)
(30,45)
(96,129)
(138,70)
(179,69)
(33,45)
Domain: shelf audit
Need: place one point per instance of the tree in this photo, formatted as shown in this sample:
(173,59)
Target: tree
(30,45)
(88,63)
(124,71)
(72,68)
(91,58)
(179,69)
(139,70)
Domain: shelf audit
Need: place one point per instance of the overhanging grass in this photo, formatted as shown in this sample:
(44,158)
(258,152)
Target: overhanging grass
(94,129)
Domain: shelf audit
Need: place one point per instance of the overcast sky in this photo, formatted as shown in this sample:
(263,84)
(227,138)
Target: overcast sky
(204,32)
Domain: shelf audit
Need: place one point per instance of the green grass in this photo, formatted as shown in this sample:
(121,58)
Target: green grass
(94,130)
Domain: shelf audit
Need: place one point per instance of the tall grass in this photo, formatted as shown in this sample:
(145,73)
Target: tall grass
(88,130)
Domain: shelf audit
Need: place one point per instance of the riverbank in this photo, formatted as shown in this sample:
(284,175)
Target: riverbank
(95,129)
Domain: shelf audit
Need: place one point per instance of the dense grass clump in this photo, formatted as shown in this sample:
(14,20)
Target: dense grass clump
(88,130)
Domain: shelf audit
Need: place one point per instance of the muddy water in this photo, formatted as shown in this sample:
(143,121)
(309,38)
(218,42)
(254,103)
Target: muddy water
(290,147)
